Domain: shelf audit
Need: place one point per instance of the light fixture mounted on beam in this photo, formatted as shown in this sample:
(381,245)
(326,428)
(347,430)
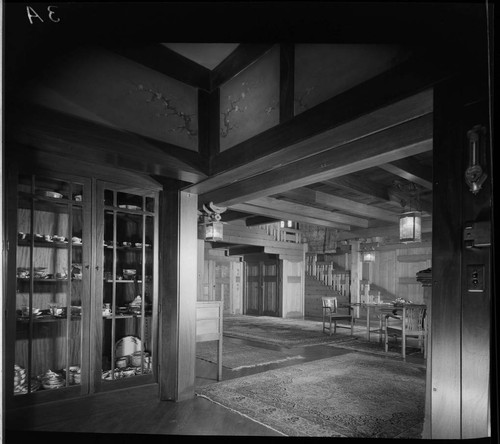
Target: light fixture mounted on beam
(210,221)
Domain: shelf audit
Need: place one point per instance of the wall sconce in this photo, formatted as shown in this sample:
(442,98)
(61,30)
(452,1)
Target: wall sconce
(410,227)
(210,221)
(474,174)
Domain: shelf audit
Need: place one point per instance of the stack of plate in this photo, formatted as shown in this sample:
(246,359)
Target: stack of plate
(20,385)
(21,381)
(74,375)
(52,380)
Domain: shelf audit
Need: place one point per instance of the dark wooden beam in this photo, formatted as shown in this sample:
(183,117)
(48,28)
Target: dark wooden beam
(307,196)
(387,88)
(287,83)
(65,135)
(401,141)
(411,170)
(244,55)
(240,251)
(259,220)
(271,212)
(167,62)
(208,125)
(359,185)
(231,215)
(307,210)
(386,117)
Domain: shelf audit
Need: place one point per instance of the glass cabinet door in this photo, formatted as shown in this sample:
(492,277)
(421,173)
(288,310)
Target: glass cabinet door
(52,294)
(126,238)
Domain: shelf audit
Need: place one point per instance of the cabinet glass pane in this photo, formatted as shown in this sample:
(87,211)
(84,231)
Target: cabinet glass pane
(48,299)
(127,287)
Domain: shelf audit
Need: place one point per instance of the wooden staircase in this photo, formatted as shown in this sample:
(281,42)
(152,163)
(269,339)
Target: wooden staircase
(314,290)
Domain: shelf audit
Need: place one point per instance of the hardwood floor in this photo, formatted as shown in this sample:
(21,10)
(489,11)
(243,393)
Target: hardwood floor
(127,415)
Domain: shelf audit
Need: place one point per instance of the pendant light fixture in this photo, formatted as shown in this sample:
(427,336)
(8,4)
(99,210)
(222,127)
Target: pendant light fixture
(211,224)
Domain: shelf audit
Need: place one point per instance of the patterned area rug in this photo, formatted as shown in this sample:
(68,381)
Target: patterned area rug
(239,356)
(281,331)
(377,348)
(351,395)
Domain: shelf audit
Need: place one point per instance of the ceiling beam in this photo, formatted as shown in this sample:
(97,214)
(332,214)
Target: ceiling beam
(244,55)
(285,144)
(392,144)
(240,251)
(389,231)
(254,209)
(165,61)
(231,215)
(310,197)
(297,208)
(389,88)
(359,185)
(410,170)
(61,134)
(259,220)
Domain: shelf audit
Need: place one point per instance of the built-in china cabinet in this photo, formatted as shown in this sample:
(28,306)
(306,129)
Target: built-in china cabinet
(82,306)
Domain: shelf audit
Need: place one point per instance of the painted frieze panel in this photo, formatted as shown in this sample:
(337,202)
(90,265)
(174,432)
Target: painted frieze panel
(107,88)
(323,71)
(249,102)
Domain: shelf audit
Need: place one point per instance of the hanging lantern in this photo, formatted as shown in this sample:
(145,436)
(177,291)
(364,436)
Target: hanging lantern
(368,256)
(210,222)
(214,231)
(410,227)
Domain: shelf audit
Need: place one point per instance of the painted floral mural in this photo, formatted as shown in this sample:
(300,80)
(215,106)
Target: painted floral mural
(249,102)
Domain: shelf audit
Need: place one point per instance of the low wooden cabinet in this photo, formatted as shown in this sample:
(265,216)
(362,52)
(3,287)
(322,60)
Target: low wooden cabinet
(82,287)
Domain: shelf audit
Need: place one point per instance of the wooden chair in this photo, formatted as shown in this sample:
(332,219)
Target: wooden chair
(411,323)
(330,314)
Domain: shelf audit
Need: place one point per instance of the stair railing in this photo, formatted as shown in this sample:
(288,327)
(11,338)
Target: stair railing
(328,274)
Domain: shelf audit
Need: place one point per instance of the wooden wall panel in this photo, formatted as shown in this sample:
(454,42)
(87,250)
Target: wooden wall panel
(293,289)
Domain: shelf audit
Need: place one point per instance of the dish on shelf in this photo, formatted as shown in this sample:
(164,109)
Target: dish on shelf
(127,346)
(52,194)
(129,207)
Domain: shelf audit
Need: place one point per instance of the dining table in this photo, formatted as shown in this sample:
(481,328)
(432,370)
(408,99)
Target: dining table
(381,308)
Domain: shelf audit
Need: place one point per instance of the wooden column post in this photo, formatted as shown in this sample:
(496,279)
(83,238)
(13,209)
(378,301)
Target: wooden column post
(178,292)
(356,271)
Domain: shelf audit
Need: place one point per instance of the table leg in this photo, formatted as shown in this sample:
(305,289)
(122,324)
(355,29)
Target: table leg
(368,323)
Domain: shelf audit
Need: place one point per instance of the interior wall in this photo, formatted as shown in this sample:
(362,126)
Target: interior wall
(293,286)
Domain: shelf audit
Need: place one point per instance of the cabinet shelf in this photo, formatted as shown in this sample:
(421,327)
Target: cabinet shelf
(44,202)
(47,318)
(47,280)
(45,244)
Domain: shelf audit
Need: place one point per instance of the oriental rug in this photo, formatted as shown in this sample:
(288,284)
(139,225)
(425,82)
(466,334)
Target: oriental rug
(239,356)
(282,331)
(351,395)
